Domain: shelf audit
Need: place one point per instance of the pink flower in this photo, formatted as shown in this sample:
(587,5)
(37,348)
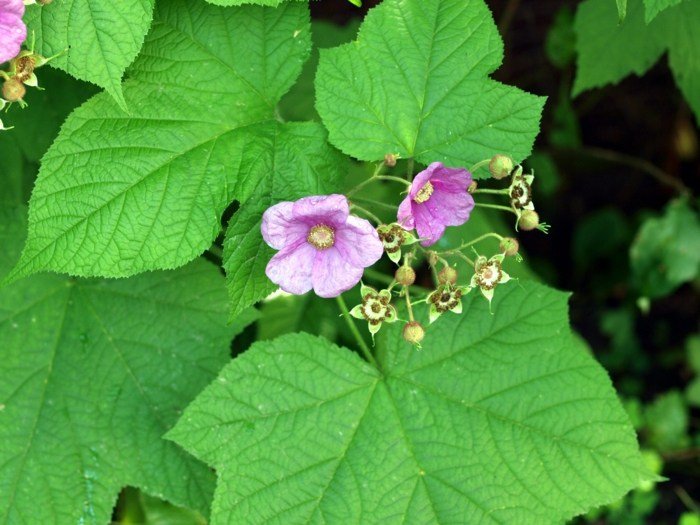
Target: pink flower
(12,29)
(437,198)
(321,246)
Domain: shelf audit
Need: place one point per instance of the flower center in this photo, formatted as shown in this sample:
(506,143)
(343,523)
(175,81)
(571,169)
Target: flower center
(321,237)
(424,193)
(489,275)
(520,193)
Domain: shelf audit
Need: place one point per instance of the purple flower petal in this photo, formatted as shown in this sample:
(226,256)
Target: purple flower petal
(291,268)
(459,205)
(422,178)
(446,202)
(331,210)
(279,227)
(405,214)
(429,227)
(333,274)
(12,29)
(358,242)
(451,179)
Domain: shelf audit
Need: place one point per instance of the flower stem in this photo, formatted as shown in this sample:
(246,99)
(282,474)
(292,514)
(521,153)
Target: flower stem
(367,212)
(494,206)
(409,169)
(495,192)
(468,244)
(395,179)
(355,332)
(376,203)
(378,276)
(408,303)
(478,165)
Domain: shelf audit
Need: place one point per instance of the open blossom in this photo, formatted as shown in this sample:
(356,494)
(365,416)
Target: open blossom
(12,29)
(321,246)
(436,199)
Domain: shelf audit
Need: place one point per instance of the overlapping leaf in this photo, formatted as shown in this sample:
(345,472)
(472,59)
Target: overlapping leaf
(654,7)
(93,374)
(97,40)
(120,194)
(608,51)
(498,419)
(416,83)
(294,161)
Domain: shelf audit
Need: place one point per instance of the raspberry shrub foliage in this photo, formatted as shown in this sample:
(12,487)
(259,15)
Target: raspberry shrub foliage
(448,390)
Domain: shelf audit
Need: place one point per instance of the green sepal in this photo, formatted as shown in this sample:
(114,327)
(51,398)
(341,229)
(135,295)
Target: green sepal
(395,256)
(356,312)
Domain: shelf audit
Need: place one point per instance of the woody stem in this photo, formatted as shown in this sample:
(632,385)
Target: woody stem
(355,332)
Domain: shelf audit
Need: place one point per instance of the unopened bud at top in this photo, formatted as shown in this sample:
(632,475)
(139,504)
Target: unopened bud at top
(390,160)
(447,275)
(13,90)
(529,220)
(405,276)
(501,166)
(413,332)
(509,246)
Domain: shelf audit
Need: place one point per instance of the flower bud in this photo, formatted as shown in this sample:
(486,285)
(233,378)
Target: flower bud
(13,90)
(529,220)
(405,275)
(413,332)
(447,275)
(44,2)
(509,246)
(472,187)
(390,160)
(432,258)
(501,166)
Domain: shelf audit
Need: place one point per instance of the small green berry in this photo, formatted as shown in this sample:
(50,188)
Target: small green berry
(509,246)
(529,220)
(447,275)
(405,275)
(501,166)
(413,332)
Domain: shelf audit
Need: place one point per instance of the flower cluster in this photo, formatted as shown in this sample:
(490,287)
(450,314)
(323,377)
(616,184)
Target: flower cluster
(322,246)
(22,63)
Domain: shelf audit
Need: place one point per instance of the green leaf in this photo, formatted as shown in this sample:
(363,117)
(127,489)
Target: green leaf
(654,7)
(664,254)
(298,104)
(609,52)
(416,83)
(667,422)
(34,129)
(120,194)
(96,40)
(498,419)
(93,374)
(621,9)
(560,44)
(294,160)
